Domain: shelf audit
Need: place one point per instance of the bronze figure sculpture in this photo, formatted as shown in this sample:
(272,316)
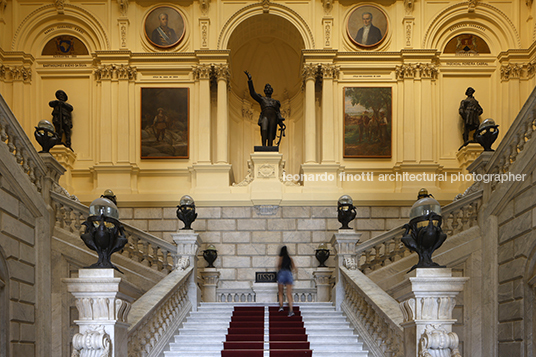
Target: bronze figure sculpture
(270,117)
(61,117)
(470,110)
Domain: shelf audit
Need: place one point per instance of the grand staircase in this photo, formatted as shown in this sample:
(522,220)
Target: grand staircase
(204,332)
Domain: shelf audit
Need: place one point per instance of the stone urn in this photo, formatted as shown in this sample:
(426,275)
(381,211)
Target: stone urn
(210,254)
(322,254)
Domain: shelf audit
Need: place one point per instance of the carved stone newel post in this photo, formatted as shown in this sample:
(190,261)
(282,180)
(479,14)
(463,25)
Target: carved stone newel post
(188,244)
(343,244)
(103,306)
(427,310)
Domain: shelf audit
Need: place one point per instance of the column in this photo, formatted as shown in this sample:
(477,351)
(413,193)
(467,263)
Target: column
(188,244)
(427,311)
(309,74)
(204,144)
(329,72)
(222,129)
(103,308)
(343,244)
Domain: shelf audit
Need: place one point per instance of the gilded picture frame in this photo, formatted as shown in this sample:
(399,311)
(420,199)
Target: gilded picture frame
(367,26)
(165,123)
(367,122)
(164,27)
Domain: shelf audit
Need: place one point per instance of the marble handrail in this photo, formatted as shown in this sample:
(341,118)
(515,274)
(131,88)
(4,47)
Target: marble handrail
(515,140)
(374,314)
(17,142)
(142,247)
(387,248)
(156,316)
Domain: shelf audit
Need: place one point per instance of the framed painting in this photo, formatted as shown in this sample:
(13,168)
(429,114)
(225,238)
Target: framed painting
(367,122)
(367,26)
(165,123)
(164,27)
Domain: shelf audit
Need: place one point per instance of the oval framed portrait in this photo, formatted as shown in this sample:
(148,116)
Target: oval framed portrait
(164,27)
(367,26)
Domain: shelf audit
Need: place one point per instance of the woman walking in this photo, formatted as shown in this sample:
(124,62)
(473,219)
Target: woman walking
(285,267)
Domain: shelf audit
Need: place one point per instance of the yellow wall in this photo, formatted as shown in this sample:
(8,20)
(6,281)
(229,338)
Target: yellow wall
(273,40)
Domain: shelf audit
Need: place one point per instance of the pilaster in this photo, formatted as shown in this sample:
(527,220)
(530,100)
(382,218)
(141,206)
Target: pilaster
(210,277)
(427,310)
(103,305)
(309,76)
(188,243)
(344,246)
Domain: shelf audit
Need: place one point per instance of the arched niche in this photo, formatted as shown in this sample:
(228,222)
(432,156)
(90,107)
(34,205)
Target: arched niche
(269,47)
(63,45)
(466,44)
(489,23)
(4,306)
(44,24)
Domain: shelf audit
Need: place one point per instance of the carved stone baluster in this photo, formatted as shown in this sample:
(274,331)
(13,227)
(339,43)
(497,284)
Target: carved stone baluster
(58,213)
(154,257)
(145,254)
(68,218)
(165,261)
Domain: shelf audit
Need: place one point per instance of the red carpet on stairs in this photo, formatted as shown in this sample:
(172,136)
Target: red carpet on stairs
(245,336)
(287,334)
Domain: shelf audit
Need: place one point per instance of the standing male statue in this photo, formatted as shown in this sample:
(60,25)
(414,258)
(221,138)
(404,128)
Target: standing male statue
(470,110)
(270,116)
(61,117)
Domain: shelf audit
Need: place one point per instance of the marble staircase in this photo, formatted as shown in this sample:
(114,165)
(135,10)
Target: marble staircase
(204,331)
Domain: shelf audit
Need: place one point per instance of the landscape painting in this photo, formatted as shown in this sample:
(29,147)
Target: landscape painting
(367,122)
(164,123)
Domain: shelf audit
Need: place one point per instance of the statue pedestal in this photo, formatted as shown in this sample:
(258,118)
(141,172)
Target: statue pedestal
(323,283)
(343,244)
(210,278)
(188,244)
(103,305)
(266,187)
(467,154)
(427,309)
(66,157)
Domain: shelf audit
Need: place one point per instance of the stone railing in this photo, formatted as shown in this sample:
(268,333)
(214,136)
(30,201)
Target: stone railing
(17,142)
(387,248)
(142,247)
(156,316)
(248,295)
(373,313)
(515,140)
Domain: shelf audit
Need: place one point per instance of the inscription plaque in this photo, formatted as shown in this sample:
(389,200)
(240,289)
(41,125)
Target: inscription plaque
(266,277)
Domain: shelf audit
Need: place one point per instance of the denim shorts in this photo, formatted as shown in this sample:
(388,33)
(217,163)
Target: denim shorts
(285,277)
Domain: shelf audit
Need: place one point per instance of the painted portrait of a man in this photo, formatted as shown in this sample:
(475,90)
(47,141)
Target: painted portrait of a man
(164,27)
(367,26)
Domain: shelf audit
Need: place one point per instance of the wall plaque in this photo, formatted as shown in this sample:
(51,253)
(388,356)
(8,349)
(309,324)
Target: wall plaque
(266,277)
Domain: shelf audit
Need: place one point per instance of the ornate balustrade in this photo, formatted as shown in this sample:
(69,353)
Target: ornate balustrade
(17,142)
(156,316)
(387,248)
(248,295)
(141,247)
(515,140)
(374,314)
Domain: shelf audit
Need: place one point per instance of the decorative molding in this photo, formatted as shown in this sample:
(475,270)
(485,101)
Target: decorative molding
(471,6)
(123,31)
(266,171)
(3,5)
(204,28)
(204,6)
(115,72)
(16,73)
(222,72)
(93,342)
(249,176)
(123,7)
(518,70)
(416,71)
(105,308)
(328,30)
(350,263)
(409,5)
(408,31)
(329,71)
(202,71)
(310,71)
(328,5)
(265,6)
(436,341)
(182,263)
(60,6)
